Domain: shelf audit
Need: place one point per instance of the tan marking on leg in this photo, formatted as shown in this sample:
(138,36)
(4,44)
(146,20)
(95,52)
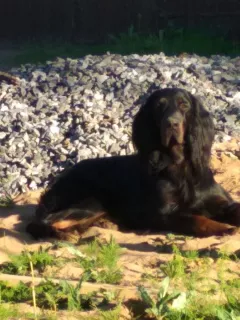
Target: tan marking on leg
(64,224)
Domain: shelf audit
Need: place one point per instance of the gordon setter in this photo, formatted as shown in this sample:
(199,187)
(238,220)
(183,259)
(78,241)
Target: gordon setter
(166,186)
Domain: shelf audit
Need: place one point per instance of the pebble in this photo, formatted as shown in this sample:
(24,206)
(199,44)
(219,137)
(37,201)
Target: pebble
(68,110)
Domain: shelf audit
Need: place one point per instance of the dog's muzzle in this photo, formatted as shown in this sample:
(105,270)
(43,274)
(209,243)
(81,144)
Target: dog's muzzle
(173,130)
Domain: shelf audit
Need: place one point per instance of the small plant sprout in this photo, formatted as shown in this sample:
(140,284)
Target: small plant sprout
(162,305)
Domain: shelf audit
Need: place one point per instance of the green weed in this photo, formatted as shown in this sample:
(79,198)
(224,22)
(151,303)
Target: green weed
(234,283)
(75,300)
(159,308)
(192,255)
(225,255)
(20,264)
(18,293)
(101,261)
(8,312)
(113,314)
(174,268)
(54,296)
(6,201)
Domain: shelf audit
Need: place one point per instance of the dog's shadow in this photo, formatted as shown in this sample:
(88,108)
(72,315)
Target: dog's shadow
(15,217)
(13,222)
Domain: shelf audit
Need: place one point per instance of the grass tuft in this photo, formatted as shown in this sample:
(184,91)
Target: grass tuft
(101,261)
(6,201)
(20,264)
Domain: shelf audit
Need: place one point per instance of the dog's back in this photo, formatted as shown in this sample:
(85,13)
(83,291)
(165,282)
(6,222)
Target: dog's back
(116,186)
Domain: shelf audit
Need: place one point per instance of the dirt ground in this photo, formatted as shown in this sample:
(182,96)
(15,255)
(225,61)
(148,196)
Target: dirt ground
(142,253)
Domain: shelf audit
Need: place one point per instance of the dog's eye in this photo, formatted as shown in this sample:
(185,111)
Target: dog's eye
(183,105)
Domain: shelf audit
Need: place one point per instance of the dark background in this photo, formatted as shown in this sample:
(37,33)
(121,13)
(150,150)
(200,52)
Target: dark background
(93,20)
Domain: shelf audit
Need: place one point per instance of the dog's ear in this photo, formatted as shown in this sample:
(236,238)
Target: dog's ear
(144,129)
(200,135)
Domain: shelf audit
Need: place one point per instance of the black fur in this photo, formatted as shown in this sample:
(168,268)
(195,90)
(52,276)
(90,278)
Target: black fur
(168,185)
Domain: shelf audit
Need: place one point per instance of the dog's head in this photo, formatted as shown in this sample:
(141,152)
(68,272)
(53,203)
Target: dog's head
(175,123)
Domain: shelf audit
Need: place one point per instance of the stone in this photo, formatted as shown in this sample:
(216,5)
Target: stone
(74,109)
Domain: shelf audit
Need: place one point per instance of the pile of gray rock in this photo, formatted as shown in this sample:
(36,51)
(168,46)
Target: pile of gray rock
(68,110)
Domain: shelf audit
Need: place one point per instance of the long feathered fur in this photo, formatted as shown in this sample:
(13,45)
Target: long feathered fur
(167,185)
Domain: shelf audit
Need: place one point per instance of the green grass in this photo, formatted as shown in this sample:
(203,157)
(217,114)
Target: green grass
(171,41)
(100,261)
(10,312)
(20,264)
(18,293)
(6,201)
(105,258)
(207,297)
(52,296)
(174,268)
(64,296)
(113,314)
(159,307)
(169,304)
(185,288)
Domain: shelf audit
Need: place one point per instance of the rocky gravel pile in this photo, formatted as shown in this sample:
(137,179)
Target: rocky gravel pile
(68,110)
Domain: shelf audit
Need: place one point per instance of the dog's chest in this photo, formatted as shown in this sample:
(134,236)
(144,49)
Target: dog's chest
(174,194)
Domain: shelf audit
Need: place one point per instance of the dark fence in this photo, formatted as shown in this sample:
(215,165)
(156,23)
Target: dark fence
(93,20)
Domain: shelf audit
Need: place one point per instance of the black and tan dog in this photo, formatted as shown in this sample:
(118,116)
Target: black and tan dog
(167,186)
